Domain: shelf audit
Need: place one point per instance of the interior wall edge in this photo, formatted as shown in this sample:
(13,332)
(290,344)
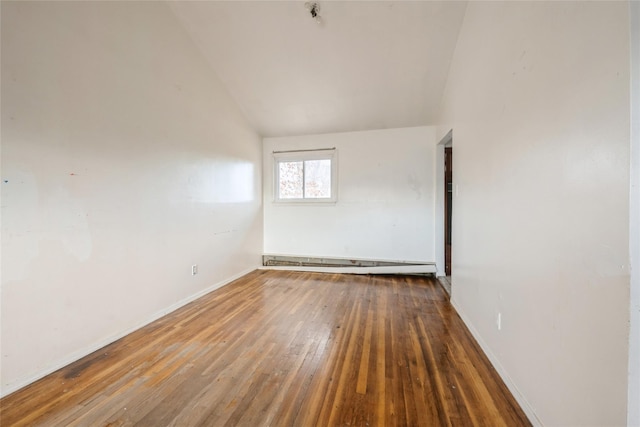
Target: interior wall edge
(633,396)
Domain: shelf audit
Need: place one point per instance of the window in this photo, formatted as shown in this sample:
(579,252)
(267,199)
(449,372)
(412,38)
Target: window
(305,176)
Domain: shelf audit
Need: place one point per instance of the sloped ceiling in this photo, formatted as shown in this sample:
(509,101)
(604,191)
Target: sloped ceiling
(368,65)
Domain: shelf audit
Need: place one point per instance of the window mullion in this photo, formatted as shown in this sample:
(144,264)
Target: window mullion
(304,181)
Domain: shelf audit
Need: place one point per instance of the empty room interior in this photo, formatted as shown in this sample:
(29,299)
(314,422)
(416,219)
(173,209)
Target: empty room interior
(320,213)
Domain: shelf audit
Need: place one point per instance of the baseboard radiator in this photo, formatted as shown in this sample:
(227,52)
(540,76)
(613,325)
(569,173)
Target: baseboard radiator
(346,265)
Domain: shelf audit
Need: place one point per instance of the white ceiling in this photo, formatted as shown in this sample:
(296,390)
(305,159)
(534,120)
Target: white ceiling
(369,65)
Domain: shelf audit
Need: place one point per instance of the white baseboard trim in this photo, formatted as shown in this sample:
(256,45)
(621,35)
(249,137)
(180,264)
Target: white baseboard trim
(10,388)
(392,269)
(522,401)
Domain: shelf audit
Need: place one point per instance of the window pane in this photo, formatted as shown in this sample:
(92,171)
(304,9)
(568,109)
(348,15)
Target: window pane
(317,184)
(291,180)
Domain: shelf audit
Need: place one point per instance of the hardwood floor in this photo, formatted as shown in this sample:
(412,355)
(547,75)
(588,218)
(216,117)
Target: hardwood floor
(284,349)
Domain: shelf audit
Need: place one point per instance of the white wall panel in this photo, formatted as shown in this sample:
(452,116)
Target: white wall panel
(124,162)
(385,207)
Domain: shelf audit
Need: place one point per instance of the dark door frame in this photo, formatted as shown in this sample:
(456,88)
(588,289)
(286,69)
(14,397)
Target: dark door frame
(448,207)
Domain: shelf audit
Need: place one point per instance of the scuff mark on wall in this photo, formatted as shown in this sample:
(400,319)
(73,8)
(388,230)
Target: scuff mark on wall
(414,184)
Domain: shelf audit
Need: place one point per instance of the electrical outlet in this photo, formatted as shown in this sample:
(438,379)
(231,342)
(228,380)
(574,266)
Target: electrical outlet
(194,269)
(499,321)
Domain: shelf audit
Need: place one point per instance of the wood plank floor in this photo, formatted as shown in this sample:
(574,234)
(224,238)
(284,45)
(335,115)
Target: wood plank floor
(279,348)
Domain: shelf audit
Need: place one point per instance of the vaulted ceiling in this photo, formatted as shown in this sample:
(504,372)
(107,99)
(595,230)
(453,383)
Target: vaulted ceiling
(367,65)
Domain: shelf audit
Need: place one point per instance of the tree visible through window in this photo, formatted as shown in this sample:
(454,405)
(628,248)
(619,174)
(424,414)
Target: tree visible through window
(308,178)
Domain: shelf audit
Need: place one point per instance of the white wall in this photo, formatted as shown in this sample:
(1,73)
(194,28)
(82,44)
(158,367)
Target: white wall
(124,162)
(538,99)
(385,207)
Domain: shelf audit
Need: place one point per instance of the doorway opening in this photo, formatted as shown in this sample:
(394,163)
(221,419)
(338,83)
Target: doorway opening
(444,210)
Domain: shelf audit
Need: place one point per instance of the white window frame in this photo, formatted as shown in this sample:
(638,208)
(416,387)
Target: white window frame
(301,156)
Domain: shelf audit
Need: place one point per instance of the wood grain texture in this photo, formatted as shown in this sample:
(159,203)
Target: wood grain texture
(278,348)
